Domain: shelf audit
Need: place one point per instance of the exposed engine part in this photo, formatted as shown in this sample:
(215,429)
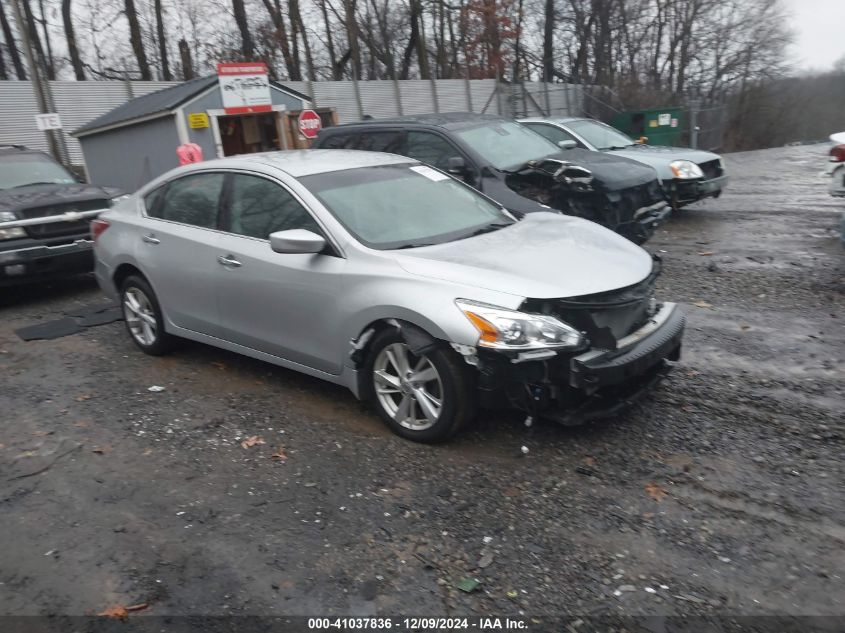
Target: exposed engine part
(469,353)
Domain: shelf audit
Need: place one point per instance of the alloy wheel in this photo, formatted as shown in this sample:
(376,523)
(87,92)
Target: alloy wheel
(408,387)
(140,317)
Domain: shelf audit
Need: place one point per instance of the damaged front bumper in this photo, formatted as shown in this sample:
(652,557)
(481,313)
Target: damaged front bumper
(592,384)
(684,192)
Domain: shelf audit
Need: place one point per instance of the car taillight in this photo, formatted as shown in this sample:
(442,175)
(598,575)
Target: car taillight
(837,154)
(98,227)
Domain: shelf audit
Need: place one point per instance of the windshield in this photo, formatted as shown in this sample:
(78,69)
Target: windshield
(19,170)
(507,145)
(599,135)
(402,206)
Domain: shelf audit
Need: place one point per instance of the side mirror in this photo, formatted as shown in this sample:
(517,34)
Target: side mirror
(456,166)
(567,144)
(296,242)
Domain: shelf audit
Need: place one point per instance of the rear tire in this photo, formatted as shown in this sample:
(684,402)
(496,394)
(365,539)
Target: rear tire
(425,398)
(143,317)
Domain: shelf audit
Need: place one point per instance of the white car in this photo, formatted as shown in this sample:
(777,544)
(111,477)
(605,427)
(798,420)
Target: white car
(836,165)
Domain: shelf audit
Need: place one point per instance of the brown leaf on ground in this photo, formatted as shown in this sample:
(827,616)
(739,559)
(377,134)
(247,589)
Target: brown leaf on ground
(138,607)
(2,446)
(118,612)
(147,452)
(702,304)
(655,491)
(42,433)
(279,455)
(590,461)
(512,492)
(82,424)
(101,450)
(219,365)
(706,253)
(252,441)
(692,373)
(83,397)
(744,327)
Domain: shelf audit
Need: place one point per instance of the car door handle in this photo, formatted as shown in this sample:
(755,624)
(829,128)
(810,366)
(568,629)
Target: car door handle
(151,239)
(228,261)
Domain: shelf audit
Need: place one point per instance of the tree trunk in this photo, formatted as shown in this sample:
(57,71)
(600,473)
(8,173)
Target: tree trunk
(136,40)
(333,61)
(162,41)
(72,49)
(3,74)
(11,45)
(35,40)
(352,35)
(274,9)
(51,67)
(247,46)
(548,41)
(187,62)
(296,19)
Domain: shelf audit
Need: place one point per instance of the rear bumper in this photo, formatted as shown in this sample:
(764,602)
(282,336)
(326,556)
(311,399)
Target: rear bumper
(28,263)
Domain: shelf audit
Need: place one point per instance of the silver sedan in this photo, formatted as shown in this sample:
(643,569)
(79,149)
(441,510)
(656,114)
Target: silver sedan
(390,277)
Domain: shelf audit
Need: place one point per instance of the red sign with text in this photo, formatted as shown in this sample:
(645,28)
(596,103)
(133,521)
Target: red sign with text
(310,124)
(244,87)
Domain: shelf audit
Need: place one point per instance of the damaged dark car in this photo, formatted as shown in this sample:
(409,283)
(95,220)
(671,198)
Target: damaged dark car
(519,168)
(45,217)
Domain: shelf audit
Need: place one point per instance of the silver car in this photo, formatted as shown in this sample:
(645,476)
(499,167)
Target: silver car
(394,279)
(687,175)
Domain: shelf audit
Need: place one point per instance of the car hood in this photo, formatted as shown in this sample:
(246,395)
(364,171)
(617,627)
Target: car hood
(32,196)
(612,171)
(544,256)
(659,157)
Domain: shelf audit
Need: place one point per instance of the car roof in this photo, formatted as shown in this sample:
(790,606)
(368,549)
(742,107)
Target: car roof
(554,119)
(17,149)
(445,120)
(307,162)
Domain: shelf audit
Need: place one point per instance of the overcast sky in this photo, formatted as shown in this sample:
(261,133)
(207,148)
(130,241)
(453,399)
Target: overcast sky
(819,32)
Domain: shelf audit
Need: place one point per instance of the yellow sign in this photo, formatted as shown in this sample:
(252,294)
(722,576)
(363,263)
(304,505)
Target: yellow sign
(197,120)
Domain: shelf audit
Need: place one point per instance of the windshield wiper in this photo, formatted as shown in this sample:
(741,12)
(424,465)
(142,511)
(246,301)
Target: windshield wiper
(613,147)
(31,184)
(413,245)
(488,228)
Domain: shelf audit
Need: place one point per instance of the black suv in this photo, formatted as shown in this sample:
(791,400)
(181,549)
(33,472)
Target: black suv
(45,216)
(517,167)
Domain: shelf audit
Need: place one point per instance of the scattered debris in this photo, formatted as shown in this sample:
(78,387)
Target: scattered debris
(155,389)
(101,450)
(529,421)
(83,397)
(524,450)
(655,491)
(702,304)
(485,561)
(251,441)
(468,585)
(120,612)
(626,588)
(583,470)
(649,590)
(219,365)
(279,455)
(487,540)
(706,253)
(512,594)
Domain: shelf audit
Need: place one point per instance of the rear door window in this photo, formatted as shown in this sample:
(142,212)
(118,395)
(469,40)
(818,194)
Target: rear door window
(339,141)
(551,132)
(381,141)
(430,148)
(192,199)
(258,206)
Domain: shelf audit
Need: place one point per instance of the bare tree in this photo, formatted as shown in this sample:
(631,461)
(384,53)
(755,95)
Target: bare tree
(136,39)
(11,46)
(70,40)
(247,44)
(187,62)
(162,41)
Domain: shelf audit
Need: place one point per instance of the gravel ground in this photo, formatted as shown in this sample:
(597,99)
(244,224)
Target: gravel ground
(721,493)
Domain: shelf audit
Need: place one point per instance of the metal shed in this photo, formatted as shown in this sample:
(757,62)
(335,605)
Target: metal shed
(136,141)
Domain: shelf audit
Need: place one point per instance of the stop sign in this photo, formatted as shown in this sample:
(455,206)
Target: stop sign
(309,124)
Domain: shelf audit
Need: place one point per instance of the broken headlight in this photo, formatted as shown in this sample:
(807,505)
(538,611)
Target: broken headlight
(500,328)
(686,169)
(10,234)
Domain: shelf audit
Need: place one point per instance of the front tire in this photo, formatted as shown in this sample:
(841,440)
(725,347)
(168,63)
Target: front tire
(424,397)
(143,317)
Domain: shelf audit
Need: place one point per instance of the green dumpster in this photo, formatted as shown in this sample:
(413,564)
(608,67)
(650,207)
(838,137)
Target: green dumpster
(662,126)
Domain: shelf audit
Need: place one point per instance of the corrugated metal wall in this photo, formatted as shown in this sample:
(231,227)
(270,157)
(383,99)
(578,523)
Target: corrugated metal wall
(76,101)
(81,101)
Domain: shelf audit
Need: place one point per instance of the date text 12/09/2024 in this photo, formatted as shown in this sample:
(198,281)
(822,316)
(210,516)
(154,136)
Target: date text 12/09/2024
(417,624)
